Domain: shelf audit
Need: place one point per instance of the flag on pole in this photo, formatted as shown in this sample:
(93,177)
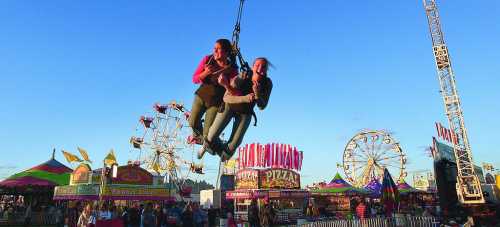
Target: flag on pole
(110,159)
(71,157)
(390,194)
(156,167)
(84,154)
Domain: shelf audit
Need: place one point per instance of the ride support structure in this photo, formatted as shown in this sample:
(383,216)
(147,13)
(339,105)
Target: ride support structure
(468,185)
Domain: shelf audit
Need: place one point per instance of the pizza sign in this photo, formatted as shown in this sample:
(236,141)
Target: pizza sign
(247,179)
(279,178)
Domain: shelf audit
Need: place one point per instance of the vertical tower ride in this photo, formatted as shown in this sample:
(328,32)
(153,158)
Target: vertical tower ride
(468,185)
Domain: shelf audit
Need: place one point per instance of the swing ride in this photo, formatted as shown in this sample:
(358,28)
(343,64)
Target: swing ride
(368,153)
(162,141)
(244,67)
(163,138)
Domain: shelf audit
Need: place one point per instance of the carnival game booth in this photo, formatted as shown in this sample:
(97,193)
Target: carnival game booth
(334,198)
(37,181)
(412,197)
(132,183)
(374,188)
(269,174)
(35,187)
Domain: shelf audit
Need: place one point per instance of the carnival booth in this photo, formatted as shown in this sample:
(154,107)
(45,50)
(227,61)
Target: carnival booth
(412,197)
(37,181)
(374,187)
(34,187)
(404,188)
(333,199)
(269,175)
(131,182)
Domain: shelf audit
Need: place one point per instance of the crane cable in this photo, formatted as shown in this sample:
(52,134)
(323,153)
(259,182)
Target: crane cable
(236,39)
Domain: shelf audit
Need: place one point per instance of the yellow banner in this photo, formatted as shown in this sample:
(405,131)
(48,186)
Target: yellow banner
(110,158)
(70,157)
(84,154)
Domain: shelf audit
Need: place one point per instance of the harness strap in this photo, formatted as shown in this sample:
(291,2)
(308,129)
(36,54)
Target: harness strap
(254,118)
(236,39)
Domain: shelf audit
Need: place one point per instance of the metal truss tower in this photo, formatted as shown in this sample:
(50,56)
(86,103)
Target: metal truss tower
(468,185)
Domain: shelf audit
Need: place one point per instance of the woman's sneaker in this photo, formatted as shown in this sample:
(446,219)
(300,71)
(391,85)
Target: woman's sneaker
(226,154)
(192,139)
(205,148)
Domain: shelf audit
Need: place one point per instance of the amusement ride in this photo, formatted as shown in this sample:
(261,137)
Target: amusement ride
(468,186)
(163,139)
(368,153)
(163,145)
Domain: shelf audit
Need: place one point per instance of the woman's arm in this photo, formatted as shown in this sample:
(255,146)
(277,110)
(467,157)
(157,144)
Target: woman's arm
(262,95)
(237,82)
(202,71)
(235,99)
(229,85)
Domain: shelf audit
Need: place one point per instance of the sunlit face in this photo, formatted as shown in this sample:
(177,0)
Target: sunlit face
(219,53)
(88,208)
(260,67)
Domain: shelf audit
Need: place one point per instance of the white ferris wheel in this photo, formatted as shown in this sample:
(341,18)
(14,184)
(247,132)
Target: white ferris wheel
(368,153)
(162,142)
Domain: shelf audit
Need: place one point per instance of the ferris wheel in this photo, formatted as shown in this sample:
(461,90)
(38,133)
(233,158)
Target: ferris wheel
(162,142)
(368,153)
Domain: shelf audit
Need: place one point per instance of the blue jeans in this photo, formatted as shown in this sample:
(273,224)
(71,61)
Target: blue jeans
(198,109)
(240,126)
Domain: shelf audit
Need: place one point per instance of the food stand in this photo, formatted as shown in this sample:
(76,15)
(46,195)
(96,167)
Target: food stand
(411,197)
(33,186)
(132,183)
(334,198)
(269,174)
(374,187)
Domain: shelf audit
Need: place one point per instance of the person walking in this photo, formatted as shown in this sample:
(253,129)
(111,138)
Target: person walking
(134,216)
(158,215)
(72,217)
(230,220)
(125,216)
(86,219)
(198,216)
(187,216)
(212,215)
(147,217)
(59,216)
(361,210)
(253,214)
(27,216)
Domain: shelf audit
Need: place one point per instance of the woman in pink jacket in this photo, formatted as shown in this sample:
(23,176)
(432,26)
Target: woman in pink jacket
(208,97)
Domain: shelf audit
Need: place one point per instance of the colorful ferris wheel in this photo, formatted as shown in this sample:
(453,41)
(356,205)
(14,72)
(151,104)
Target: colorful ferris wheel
(368,153)
(163,145)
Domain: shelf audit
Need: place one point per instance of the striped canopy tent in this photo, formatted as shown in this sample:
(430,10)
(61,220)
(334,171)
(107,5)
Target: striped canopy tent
(338,186)
(374,187)
(405,188)
(39,179)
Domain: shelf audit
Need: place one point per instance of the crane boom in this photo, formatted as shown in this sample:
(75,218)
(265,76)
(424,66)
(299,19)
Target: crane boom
(468,185)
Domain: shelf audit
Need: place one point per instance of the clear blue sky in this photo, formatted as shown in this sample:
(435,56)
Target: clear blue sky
(80,73)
